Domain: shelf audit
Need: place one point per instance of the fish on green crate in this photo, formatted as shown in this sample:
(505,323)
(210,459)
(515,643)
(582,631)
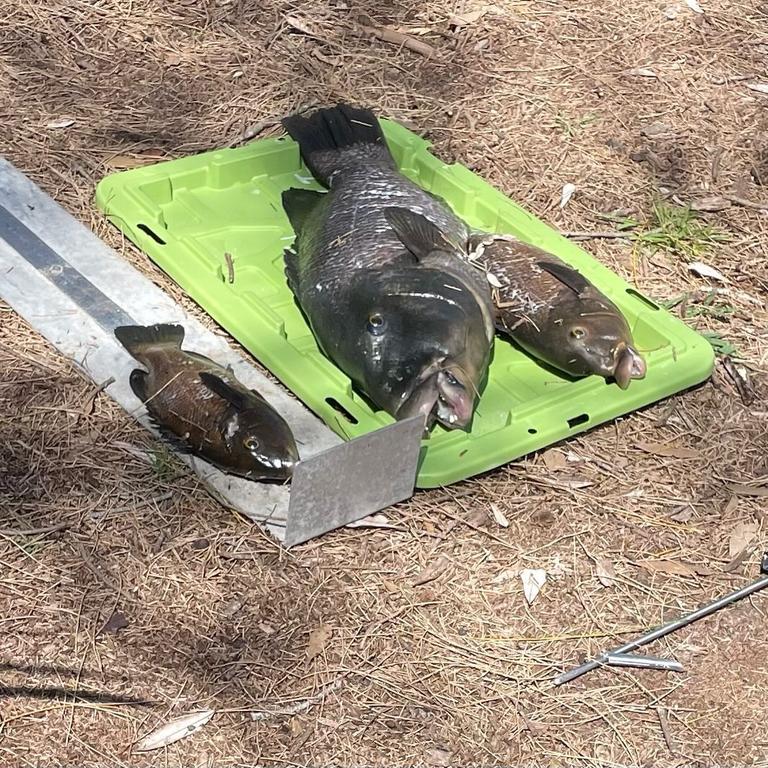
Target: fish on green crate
(413,333)
(202,405)
(548,308)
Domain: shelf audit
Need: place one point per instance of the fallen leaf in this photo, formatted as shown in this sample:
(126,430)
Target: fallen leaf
(533,581)
(499,516)
(174,730)
(123,162)
(372,521)
(317,639)
(642,72)
(740,538)
(654,130)
(493,280)
(672,11)
(674,451)
(267,629)
(554,459)
(438,757)
(572,483)
(710,204)
(748,490)
(606,575)
(566,194)
(694,6)
(671,567)
(759,87)
(406,30)
(299,24)
(464,19)
(65,122)
(172,59)
(704,270)
(115,622)
(431,572)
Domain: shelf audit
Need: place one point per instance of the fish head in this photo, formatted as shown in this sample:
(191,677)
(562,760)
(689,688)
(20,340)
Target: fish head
(589,335)
(261,443)
(422,344)
(258,440)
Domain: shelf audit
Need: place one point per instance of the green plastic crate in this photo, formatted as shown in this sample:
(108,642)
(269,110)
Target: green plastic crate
(187,214)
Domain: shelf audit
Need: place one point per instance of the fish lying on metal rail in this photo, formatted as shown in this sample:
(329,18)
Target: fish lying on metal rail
(548,308)
(205,407)
(413,333)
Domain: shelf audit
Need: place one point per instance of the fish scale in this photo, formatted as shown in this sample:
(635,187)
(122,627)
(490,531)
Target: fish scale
(352,231)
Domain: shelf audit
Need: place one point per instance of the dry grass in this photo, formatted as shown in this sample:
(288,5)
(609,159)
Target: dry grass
(456,670)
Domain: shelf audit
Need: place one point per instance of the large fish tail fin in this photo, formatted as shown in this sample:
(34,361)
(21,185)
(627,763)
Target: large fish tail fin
(138,338)
(328,135)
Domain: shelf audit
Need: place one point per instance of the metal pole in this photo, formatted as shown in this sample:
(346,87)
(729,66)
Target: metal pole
(665,629)
(642,662)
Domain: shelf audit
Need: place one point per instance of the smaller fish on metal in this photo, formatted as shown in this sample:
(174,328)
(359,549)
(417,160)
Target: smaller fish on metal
(203,405)
(546,306)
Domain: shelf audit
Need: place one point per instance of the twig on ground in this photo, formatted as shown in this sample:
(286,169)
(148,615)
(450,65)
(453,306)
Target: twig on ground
(300,706)
(34,531)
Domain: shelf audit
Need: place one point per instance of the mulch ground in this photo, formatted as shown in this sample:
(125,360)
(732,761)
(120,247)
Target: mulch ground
(128,596)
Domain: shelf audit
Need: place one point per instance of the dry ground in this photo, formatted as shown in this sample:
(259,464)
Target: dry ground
(453,671)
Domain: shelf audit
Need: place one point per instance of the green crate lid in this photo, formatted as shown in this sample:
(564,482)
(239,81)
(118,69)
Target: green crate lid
(187,214)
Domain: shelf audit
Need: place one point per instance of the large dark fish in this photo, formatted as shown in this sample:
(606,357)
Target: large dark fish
(413,333)
(547,307)
(206,407)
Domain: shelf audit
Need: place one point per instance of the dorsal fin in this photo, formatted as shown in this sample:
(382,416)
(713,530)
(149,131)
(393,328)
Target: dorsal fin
(224,390)
(568,276)
(299,204)
(417,233)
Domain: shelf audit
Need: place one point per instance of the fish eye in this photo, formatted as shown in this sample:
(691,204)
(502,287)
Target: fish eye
(451,379)
(375,322)
(578,333)
(252,444)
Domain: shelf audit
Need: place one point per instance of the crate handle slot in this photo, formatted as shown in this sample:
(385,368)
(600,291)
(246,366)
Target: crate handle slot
(638,295)
(578,420)
(147,231)
(339,408)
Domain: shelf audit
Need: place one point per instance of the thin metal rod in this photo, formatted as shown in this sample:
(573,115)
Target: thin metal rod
(642,662)
(665,629)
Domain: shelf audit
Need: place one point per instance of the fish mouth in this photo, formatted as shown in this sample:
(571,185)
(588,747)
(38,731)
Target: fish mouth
(279,464)
(445,393)
(628,365)
(455,399)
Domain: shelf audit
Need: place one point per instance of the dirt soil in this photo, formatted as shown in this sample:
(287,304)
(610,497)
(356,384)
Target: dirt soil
(414,645)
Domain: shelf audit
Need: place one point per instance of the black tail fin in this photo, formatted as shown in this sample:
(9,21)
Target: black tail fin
(324,134)
(136,338)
